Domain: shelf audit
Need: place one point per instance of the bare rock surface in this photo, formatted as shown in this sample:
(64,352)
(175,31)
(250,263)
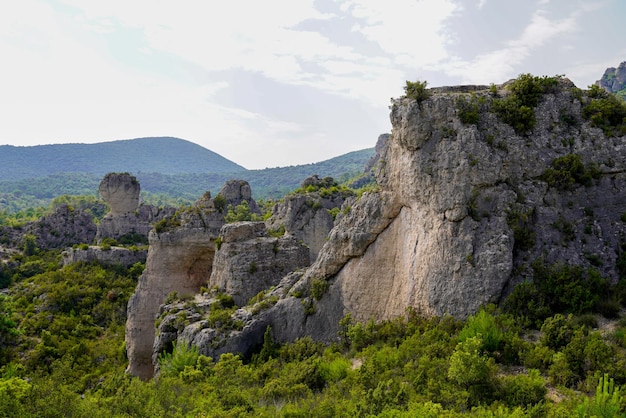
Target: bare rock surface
(111,256)
(250,261)
(307,214)
(180,259)
(121,192)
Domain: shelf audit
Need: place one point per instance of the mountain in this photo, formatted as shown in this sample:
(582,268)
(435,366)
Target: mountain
(165,155)
(39,189)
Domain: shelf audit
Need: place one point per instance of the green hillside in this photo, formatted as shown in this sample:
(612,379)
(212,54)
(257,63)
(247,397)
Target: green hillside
(162,155)
(19,194)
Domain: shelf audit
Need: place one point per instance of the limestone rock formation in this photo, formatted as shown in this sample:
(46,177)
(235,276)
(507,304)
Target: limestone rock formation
(64,227)
(466,203)
(180,259)
(126,219)
(249,261)
(111,256)
(234,192)
(307,215)
(121,192)
(614,79)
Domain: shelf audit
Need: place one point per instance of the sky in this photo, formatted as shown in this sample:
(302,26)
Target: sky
(275,82)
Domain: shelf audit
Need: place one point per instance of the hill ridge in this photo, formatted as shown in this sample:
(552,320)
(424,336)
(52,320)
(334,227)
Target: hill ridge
(167,155)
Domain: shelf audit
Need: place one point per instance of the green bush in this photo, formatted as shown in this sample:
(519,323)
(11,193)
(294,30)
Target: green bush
(182,355)
(317,288)
(605,111)
(569,170)
(607,402)
(469,110)
(241,212)
(524,390)
(416,91)
(517,109)
(483,325)
(520,223)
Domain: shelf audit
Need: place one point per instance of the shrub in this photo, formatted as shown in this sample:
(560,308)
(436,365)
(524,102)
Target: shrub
(569,170)
(607,401)
(220,203)
(318,288)
(182,355)
(605,111)
(524,390)
(416,91)
(521,224)
(468,110)
(483,325)
(517,108)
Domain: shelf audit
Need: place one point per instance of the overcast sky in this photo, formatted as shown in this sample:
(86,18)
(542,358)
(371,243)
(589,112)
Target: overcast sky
(274,82)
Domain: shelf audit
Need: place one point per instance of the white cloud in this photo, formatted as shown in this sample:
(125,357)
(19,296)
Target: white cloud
(501,64)
(412,32)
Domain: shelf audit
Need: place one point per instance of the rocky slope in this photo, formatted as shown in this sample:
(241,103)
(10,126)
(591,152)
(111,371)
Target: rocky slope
(476,184)
(614,80)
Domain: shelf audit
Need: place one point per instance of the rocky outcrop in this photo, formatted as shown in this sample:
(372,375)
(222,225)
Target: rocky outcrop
(235,192)
(466,205)
(127,220)
(180,259)
(307,214)
(121,192)
(369,173)
(112,256)
(249,261)
(614,79)
(64,227)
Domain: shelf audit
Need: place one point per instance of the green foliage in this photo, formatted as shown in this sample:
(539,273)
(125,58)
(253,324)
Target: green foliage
(605,111)
(241,212)
(68,360)
(469,109)
(220,203)
(483,325)
(517,109)
(29,245)
(569,170)
(416,90)
(520,223)
(472,370)
(168,223)
(607,402)
(557,288)
(171,364)
(318,288)
(524,390)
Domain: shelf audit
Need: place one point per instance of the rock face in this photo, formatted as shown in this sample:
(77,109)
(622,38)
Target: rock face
(121,192)
(250,261)
(133,227)
(180,259)
(614,79)
(126,219)
(235,192)
(465,206)
(112,256)
(63,228)
(307,215)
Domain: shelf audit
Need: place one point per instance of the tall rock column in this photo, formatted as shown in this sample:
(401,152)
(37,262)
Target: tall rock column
(180,259)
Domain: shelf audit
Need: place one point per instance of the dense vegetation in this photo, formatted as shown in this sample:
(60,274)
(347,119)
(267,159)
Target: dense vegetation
(176,189)
(62,354)
(162,155)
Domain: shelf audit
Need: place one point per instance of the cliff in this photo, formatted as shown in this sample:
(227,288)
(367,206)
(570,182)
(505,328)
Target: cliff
(614,80)
(476,184)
